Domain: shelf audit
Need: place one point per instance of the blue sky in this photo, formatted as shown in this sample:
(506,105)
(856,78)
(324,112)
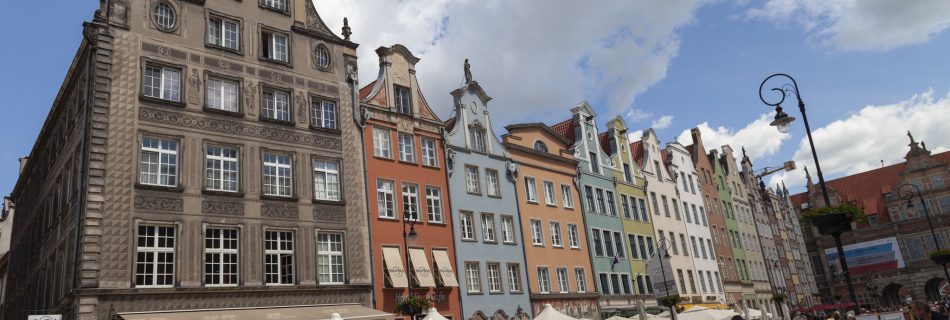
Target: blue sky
(867,72)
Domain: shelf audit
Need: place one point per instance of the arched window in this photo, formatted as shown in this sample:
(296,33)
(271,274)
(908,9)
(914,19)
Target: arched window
(540,146)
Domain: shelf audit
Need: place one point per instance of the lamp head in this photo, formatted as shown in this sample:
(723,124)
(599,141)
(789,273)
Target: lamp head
(782,121)
(909,204)
(413,236)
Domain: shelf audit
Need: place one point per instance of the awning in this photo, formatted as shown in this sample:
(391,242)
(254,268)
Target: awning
(420,266)
(444,267)
(394,271)
(322,312)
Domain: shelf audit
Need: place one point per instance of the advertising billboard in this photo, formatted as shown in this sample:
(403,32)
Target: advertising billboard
(870,256)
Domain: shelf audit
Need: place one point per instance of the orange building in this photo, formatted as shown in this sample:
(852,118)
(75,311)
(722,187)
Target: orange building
(406,178)
(558,264)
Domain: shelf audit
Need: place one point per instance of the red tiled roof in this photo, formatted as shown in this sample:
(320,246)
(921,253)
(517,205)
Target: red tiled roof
(867,189)
(604,142)
(565,128)
(365,91)
(637,149)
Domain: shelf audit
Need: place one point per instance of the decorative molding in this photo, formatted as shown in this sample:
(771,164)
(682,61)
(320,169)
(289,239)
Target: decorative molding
(194,81)
(276,210)
(250,93)
(329,213)
(158,203)
(237,128)
(225,207)
(301,107)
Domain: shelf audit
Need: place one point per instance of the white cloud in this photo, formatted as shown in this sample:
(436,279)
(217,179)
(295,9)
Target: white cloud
(860,25)
(662,122)
(635,136)
(875,133)
(638,115)
(758,137)
(535,58)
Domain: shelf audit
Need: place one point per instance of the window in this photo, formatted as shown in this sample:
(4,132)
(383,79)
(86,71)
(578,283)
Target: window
(572,236)
(563,284)
(384,199)
(330,258)
(162,83)
(709,245)
(225,33)
(536,233)
(702,247)
(471,180)
(276,105)
(530,189)
(544,280)
(611,206)
(692,185)
(615,283)
(672,243)
(323,115)
(683,179)
(477,139)
(410,201)
(594,164)
(590,198)
(656,208)
(274,46)
(407,148)
(604,283)
(718,282)
(221,257)
(540,146)
(279,257)
(580,278)
(626,173)
(566,196)
(695,248)
(430,156)
(656,167)
(473,281)
(403,100)
(164,16)
(643,209)
(159,163)
(702,215)
(466,226)
(549,193)
(494,277)
(632,239)
(321,57)
(682,288)
(381,143)
(601,204)
(514,277)
(508,229)
(692,281)
(944,204)
(936,181)
(702,282)
(608,243)
(684,244)
(676,210)
(434,204)
(222,95)
(598,245)
(556,234)
(689,218)
(625,206)
(155,256)
(618,243)
(277,175)
(276,4)
(491,182)
(221,169)
(488,227)
(326,180)
(625,282)
(650,245)
(666,207)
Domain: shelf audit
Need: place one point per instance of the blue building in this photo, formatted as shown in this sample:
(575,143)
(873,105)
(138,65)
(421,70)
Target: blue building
(488,248)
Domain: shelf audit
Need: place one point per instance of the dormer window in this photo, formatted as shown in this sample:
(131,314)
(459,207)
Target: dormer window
(279,5)
(540,146)
(402,99)
(594,165)
(477,139)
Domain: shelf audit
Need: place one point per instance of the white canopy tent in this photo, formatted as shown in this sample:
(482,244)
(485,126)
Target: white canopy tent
(549,313)
(434,314)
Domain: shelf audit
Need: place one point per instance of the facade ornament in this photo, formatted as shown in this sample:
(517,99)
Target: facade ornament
(468,72)
(910,136)
(251,93)
(301,107)
(346,29)
(195,82)
(119,12)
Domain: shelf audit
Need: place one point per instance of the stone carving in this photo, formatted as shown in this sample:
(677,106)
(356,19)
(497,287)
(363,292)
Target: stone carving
(346,29)
(284,211)
(329,213)
(237,128)
(157,203)
(468,72)
(194,83)
(301,107)
(250,94)
(232,208)
(119,13)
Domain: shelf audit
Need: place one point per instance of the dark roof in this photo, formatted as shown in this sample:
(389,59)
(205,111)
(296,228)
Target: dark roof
(604,142)
(449,124)
(566,129)
(637,149)
(867,189)
(544,127)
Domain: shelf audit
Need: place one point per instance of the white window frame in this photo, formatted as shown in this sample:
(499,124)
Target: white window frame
(514,277)
(331,262)
(556,234)
(567,196)
(530,189)
(223,94)
(169,82)
(407,147)
(276,4)
(473,278)
(544,280)
(430,155)
(573,236)
(382,143)
(508,229)
(466,225)
(277,184)
(410,202)
(549,197)
(472,183)
(537,235)
(493,270)
(220,30)
(477,139)
(323,114)
(488,227)
(276,104)
(434,204)
(222,252)
(563,281)
(278,51)
(386,198)
(281,237)
(154,252)
(492,183)
(329,188)
(159,149)
(580,279)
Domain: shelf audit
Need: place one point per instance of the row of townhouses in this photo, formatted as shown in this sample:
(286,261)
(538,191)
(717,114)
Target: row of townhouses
(205,156)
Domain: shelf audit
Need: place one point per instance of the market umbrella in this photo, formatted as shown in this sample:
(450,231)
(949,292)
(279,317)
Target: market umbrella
(643,309)
(549,313)
(434,315)
(618,318)
(753,314)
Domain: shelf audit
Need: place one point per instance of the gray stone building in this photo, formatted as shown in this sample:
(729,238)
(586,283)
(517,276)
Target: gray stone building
(482,181)
(200,155)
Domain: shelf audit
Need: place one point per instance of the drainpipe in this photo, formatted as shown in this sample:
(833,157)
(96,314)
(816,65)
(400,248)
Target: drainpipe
(353,81)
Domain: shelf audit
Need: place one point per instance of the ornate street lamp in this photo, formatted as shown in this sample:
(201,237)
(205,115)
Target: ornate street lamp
(783,123)
(913,189)
(409,218)
(663,251)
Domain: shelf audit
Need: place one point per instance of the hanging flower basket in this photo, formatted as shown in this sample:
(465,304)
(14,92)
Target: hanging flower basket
(778,297)
(940,257)
(833,220)
(412,306)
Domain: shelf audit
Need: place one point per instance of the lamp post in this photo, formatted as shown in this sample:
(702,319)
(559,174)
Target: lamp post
(783,123)
(409,218)
(778,305)
(663,246)
(909,195)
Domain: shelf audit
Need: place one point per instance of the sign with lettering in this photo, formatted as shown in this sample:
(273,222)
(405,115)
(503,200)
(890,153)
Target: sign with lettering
(660,269)
(434,297)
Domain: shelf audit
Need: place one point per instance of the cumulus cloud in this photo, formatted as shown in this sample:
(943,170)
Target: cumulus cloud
(865,25)
(638,115)
(758,137)
(860,142)
(534,57)
(662,122)
(634,136)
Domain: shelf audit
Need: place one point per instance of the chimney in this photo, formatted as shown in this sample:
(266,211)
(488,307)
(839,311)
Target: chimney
(23,163)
